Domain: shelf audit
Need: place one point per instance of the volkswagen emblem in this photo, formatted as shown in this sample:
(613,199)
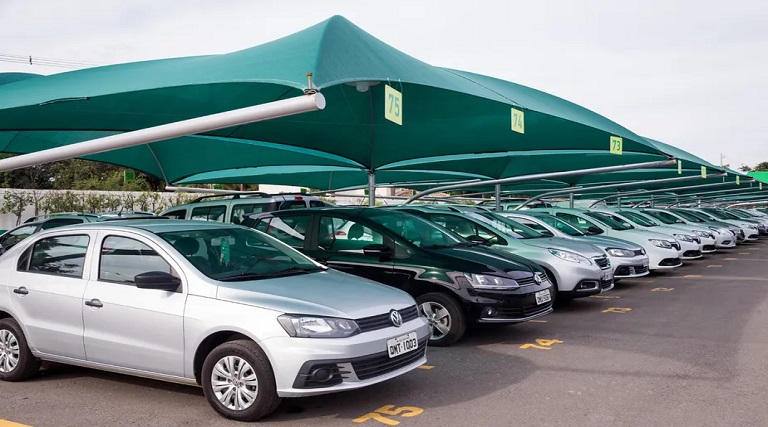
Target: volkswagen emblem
(537,279)
(396,318)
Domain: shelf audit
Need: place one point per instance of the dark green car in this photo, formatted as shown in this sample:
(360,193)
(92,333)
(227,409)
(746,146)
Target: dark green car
(455,282)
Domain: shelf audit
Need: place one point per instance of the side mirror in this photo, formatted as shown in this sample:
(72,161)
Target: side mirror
(546,233)
(157,280)
(377,250)
(477,239)
(594,230)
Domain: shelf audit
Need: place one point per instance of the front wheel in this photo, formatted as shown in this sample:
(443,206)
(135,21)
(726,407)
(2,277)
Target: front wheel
(446,319)
(238,381)
(16,360)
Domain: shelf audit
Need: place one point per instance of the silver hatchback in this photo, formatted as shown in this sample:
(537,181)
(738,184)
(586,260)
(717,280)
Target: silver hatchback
(243,315)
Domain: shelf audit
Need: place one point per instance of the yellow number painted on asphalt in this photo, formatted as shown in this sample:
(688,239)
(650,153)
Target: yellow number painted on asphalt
(662,289)
(393,105)
(621,310)
(378,415)
(541,344)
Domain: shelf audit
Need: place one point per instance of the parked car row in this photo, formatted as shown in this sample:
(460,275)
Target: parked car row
(255,300)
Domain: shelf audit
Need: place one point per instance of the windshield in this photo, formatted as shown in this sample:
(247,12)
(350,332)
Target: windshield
(718,215)
(228,254)
(507,225)
(417,231)
(607,220)
(690,216)
(663,217)
(561,226)
(639,219)
(729,214)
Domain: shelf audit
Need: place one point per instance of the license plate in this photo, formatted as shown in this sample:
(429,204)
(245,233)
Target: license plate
(543,296)
(402,344)
(607,274)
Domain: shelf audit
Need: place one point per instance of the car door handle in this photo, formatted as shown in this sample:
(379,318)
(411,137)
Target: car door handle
(94,303)
(21,291)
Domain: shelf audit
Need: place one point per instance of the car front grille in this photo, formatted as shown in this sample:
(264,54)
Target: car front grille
(380,363)
(602,262)
(605,284)
(670,262)
(709,247)
(527,281)
(692,253)
(630,270)
(524,311)
(382,321)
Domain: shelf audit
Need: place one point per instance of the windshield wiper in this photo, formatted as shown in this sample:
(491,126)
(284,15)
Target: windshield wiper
(453,245)
(285,272)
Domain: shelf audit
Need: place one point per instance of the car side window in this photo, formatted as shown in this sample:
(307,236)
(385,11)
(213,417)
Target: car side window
(209,213)
(177,214)
(340,234)
(574,220)
(241,211)
(122,258)
(292,204)
(62,256)
(60,223)
(17,235)
(290,230)
(317,204)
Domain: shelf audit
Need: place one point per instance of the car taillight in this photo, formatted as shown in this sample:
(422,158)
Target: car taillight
(341,233)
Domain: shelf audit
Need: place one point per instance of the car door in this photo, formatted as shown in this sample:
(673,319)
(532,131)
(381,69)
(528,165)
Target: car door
(339,243)
(48,287)
(126,326)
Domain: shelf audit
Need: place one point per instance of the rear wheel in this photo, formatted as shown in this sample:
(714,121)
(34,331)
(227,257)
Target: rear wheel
(446,318)
(238,381)
(16,360)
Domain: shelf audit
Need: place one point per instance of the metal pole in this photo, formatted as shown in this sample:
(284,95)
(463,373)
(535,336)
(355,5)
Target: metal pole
(570,200)
(660,181)
(543,176)
(497,194)
(706,193)
(257,113)
(653,202)
(371,189)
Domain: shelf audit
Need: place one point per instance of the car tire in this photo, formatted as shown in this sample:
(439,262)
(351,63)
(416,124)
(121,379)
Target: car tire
(252,377)
(432,306)
(13,347)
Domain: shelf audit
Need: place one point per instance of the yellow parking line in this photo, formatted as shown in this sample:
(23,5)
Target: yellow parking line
(605,296)
(641,281)
(538,321)
(693,276)
(743,253)
(715,265)
(420,367)
(5,423)
(730,259)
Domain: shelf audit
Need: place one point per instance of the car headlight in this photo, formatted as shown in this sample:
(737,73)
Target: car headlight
(715,229)
(704,234)
(570,256)
(754,227)
(661,243)
(684,237)
(317,327)
(620,252)
(487,281)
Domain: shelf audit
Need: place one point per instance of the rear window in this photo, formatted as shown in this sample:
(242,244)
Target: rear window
(209,213)
(292,204)
(177,214)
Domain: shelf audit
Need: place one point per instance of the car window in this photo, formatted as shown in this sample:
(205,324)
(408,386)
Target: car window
(639,219)
(612,221)
(317,204)
(689,216)
(241,211)
(63,255)
(562,226)
(122,258)
(15,236)
(663,217)
(340,234)
(53,223)
(508,225)
(177,214)
(534,226)
(292,204)
(289,230)
(463,227)
(209,213)
(580,223)
(238,254)
(416,230)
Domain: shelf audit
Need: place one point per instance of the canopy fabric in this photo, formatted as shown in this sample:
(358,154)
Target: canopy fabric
(760,176)
(445,112)
(6,78)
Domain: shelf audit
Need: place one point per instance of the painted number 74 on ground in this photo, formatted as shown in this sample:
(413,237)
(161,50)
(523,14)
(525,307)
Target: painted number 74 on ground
(542,344)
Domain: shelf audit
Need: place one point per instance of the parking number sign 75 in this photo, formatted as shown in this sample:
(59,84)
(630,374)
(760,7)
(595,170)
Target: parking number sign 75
(393,105)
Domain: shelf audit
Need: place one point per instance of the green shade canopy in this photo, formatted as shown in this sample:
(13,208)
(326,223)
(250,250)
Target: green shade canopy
(760,176)
(445,112)
(6,78)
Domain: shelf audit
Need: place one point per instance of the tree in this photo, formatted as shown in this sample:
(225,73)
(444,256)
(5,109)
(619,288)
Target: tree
(15,202)
(760,167)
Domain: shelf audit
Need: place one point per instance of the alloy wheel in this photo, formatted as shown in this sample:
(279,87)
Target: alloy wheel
(234,383)
(439,319)
(9,351)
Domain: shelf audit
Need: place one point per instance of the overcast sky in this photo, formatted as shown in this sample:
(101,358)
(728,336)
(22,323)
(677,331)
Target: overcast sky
(689,73)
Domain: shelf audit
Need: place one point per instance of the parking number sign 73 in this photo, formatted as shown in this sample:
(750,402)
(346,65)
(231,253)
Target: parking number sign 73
(616,145)
(393,105)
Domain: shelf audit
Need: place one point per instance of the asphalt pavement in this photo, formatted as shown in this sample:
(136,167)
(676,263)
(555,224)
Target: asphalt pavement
(686,348)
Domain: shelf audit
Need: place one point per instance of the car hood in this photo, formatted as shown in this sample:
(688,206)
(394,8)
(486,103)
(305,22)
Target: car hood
(648,234)
(609,242)
(581,248)
(328,293)
(490,261)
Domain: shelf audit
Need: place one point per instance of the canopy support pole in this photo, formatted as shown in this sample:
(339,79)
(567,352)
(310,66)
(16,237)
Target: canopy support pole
(653,202)
(371,189)
(497,195)
(256,113)
(547,175)
(570,200)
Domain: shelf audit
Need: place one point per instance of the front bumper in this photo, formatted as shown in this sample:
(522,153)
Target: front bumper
(661,258)
(624,267)
(492,307)
(690,250)
(358,357)
(574,279)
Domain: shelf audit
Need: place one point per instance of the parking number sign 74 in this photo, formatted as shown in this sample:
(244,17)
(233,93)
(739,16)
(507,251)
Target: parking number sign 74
(393,105)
